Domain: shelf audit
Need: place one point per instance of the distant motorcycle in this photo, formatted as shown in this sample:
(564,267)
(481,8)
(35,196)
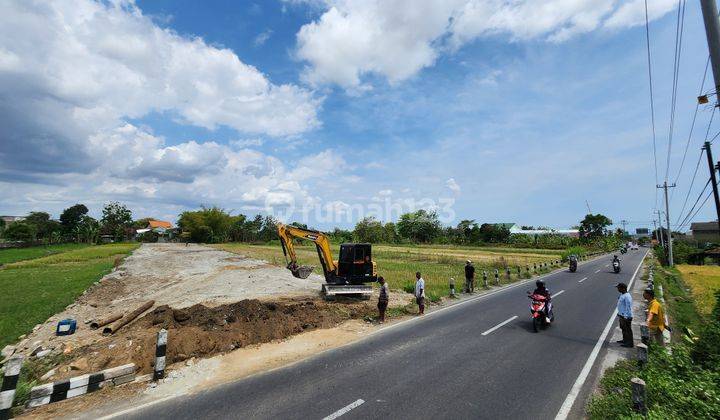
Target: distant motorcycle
(616,266)
(540,318)
(573,265)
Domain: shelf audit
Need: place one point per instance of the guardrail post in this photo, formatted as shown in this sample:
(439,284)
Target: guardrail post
(644,334)
(638,395)
(452,287)
(497,277)
(485,279)
(507,273)
(642,354)
(9,383)
(160,350)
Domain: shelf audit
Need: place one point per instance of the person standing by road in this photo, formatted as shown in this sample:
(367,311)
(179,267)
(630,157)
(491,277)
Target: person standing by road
(469,277)
(420,293)
(624,313)
(655,317)
(383,299)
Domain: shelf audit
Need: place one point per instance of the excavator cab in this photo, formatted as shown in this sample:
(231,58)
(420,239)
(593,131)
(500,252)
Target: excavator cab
(355,263)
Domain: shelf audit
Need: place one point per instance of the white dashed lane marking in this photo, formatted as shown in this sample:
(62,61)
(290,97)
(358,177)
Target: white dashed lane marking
(499,325)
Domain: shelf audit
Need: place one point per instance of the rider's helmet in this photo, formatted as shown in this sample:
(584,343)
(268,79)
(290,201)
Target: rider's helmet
(540,283)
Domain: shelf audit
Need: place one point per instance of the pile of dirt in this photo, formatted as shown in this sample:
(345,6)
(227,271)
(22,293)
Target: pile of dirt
(201,331)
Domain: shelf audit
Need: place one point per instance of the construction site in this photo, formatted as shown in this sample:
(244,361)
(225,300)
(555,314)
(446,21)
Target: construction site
(209,301)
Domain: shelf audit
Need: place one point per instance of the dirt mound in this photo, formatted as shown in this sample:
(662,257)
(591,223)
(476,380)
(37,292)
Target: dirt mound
(200,331)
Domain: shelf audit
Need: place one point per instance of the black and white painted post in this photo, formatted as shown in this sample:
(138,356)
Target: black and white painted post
(485,279)
(452,287)
(644,334)
(507,273)
(160,350)
(642,354)
(638,395)
(497,277)
(9,383)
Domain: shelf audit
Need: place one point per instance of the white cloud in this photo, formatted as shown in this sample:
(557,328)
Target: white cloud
(453,185)
(262,37)
(73,70)
(398,38)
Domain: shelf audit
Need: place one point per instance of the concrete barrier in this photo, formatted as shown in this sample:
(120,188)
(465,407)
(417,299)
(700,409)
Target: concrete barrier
(9,383)
(79,385)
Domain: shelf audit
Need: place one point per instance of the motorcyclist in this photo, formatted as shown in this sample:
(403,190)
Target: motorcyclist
(616,260)
(541,290)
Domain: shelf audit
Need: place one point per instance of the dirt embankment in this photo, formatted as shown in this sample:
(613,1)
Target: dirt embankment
(201,331)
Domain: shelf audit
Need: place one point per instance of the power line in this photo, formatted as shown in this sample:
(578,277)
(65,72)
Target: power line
(680,25)
(695,204)
(692,184)
(696,212)
(692,126)
(652,101)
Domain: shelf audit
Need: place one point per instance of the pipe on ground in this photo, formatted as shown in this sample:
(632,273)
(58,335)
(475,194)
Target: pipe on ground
(103,322)
(114,327)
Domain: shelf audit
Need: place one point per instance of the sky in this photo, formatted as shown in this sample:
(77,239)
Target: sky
(328,111)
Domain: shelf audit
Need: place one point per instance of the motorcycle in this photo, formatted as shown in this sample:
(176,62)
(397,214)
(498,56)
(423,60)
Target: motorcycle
(537,310)
(573,265)
(616,266)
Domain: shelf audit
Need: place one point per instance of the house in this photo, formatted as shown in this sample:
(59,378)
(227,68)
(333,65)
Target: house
(518,230)
(705,231)
(158,224)
(10,219)
(161,227)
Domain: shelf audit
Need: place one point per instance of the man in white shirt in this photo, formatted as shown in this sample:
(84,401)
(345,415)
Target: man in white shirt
(420,293)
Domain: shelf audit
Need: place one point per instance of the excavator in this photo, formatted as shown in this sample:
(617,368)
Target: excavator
(343,277)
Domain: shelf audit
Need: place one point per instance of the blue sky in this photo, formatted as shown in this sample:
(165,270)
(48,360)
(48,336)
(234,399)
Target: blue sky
(490,112)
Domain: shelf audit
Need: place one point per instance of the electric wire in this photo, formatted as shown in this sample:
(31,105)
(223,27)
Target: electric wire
(680,24)
(692,125)
(695,204)
(696,212)
(652,101)
(692,184)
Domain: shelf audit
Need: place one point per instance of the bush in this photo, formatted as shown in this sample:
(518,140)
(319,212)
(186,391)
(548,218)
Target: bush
(148,236)
(707,349)
(576,250)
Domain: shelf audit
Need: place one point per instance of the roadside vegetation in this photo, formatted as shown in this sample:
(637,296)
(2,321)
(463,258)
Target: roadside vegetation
(683,383)
(35,289)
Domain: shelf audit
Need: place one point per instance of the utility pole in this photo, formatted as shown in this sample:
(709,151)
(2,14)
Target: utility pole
(624,223)
(665,187)
(712,32)
(713,179)
(660,234)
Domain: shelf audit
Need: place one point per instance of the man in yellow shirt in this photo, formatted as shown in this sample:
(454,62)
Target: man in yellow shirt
(655,317)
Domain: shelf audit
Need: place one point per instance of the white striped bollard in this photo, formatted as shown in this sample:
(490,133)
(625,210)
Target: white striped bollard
(485,279)
(497,277)
(160,351)
(9,383)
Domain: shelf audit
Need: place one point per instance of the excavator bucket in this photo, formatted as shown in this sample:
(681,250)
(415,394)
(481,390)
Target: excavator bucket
(302,272)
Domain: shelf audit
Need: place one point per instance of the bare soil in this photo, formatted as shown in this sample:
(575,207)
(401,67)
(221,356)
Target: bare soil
(201,331)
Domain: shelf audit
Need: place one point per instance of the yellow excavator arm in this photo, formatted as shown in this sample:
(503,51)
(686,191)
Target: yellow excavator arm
(287,233)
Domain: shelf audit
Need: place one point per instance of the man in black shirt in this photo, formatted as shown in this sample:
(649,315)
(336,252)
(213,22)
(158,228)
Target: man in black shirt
(469,277)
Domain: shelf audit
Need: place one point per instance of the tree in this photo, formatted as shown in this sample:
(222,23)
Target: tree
(390,233)
(2,225)
(44,226)
(71,216)
(420,226)
(87,230)
(594,226)
(369,229)
(115,220)
(20,231)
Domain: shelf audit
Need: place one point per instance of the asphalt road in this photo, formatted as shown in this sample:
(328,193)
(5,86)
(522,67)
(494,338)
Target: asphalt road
(470,360)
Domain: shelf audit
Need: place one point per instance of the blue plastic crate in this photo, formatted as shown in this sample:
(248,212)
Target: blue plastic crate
(66,327)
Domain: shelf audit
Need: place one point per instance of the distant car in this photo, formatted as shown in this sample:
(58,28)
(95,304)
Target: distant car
(634,247)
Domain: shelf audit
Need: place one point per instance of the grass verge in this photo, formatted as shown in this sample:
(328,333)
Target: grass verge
(33,290)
